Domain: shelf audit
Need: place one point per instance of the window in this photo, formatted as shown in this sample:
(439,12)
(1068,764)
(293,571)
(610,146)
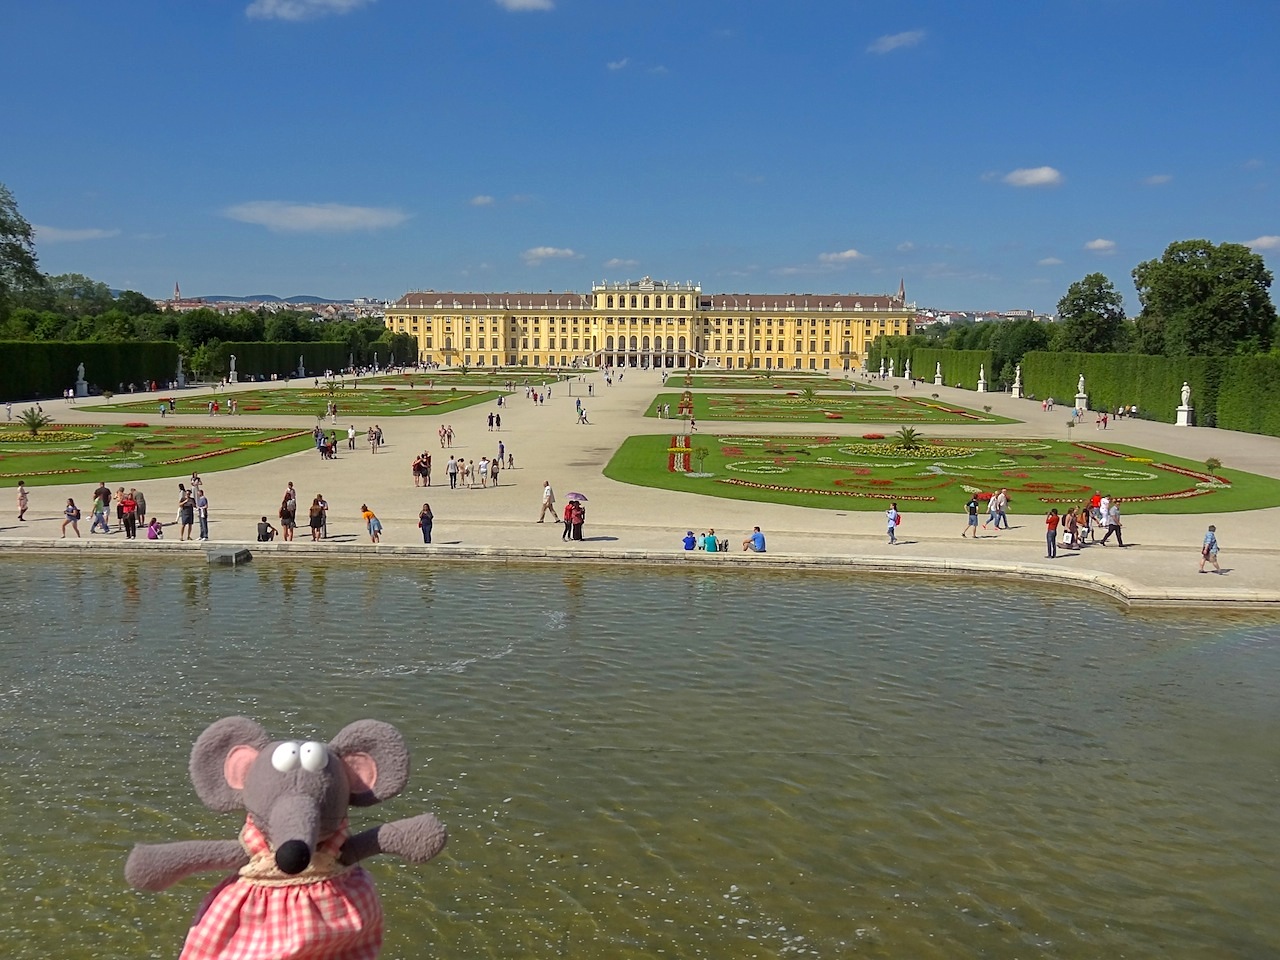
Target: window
(671,301)
(537,343)
(799,347)
(466,344)
(564,343)
(524,344)
(826,346)
(768,345)
(757,344)
(682,301)
(813,346)
(646,301)
(633,300)
(575,343)
(428,344)
(717,343)
(742,344)
(610,303)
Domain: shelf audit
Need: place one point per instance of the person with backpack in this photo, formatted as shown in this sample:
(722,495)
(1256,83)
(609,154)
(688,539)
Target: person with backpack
(893,517)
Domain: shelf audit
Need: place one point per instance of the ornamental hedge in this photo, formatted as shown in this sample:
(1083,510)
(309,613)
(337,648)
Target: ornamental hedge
(1234,393)
(262,359)
(31,370)
(959,367)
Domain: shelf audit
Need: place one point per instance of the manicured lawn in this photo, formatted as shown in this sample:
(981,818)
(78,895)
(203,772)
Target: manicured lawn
(793,407)
(841,473)
(788,381)
(66,452)
(363,401)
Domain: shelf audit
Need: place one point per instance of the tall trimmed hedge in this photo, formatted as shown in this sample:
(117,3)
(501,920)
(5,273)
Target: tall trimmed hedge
(1249,395)
(262,359)
(958,366)
(1112,380)
(31,370)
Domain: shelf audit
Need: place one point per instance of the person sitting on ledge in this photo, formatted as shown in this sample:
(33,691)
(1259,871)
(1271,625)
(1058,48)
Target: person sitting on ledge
(755,542)
(690,541)
(155,529)
(266,531)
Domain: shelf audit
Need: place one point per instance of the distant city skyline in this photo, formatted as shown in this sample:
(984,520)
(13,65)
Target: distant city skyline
(341,148)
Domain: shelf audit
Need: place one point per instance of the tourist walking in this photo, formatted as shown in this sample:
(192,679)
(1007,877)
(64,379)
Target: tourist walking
(315,518)
(1113,524)
(99,516)
(972,522)
(494,466)
(1051,532)
(72,514)
(425,519)
(1209,550)
(287,514)
(893,518)
(372,523)
(351,437)
(548,500)
(451,470)
(23,500)
(324,516)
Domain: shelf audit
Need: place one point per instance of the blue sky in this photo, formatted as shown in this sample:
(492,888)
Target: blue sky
(990,154)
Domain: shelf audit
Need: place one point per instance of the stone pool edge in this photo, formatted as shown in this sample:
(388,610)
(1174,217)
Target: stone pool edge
(1118,588)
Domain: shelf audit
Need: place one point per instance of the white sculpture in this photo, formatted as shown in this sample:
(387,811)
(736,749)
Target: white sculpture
(1080,386)
(937,369)
(982,372)
(891,366)
(906,370)
(1186,394)
(1017,376)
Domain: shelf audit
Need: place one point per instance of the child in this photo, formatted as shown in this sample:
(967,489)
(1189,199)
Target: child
(155,529)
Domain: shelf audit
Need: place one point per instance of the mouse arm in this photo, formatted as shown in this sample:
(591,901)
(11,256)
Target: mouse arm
(416,839)
(155,866)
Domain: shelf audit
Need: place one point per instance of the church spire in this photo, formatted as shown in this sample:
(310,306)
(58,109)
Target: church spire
(902,289)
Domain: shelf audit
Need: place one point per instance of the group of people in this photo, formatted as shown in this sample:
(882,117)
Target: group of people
(467,473)
(707,541)
(131,512)
(317,518)
(1079,525)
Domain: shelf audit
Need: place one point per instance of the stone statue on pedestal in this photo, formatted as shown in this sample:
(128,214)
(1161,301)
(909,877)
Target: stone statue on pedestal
(1080,385)
(233,377)
(1017,376)
(1186,394)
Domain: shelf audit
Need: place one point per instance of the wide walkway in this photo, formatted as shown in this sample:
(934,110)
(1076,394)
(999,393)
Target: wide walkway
(626,522)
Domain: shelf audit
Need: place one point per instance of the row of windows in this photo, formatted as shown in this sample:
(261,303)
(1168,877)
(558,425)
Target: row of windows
(644,304)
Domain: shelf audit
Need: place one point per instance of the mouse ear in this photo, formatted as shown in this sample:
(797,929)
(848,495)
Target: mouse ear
(221,758)
(376,758)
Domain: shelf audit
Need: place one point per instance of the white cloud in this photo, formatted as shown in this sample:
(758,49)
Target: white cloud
(62,235)
(618,64)
(1033,177)
(906,246)
(296,10)
(535,255)
(659,69)
(519,6)
(619,262)
(1101,246)
(1049,262)
(1258,243)
(896,41)
(1254,164)
(844,256)
(481,200)
(1157,179)
(314,217)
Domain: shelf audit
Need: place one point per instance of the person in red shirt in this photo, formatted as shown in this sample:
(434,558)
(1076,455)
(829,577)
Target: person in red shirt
(1051,532)
(129,514)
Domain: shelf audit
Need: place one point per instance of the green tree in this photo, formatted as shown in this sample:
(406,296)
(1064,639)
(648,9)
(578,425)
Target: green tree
(77,295)
(1011,340)
(1201,299)
(1090,317)
(18,266)
(135,304)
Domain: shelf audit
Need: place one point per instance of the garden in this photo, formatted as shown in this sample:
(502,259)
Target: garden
(65,453)
(933,476)
(363,401)
(809,406)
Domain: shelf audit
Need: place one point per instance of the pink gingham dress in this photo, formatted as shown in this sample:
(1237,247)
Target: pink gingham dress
(328,911)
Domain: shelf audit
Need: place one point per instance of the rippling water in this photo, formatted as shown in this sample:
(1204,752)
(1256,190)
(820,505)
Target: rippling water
(663,764)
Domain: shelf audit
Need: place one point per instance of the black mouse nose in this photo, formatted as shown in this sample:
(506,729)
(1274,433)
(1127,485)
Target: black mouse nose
(293,856)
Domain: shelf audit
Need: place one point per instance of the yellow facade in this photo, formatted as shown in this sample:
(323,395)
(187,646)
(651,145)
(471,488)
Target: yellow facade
(649,323)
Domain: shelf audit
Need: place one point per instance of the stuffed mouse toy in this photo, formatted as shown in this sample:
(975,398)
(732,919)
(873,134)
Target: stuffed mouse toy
(298,891)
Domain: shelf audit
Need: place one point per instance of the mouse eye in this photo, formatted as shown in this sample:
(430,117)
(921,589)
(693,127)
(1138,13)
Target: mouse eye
(315,756)
(285,757)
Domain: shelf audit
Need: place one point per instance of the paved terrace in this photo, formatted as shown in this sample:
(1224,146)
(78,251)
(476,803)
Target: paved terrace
(630,523)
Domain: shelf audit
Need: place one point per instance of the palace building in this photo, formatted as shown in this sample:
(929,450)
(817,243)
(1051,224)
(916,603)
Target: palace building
(650,323)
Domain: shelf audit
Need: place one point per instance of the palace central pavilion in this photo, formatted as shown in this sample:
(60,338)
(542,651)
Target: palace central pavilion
(649,323)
